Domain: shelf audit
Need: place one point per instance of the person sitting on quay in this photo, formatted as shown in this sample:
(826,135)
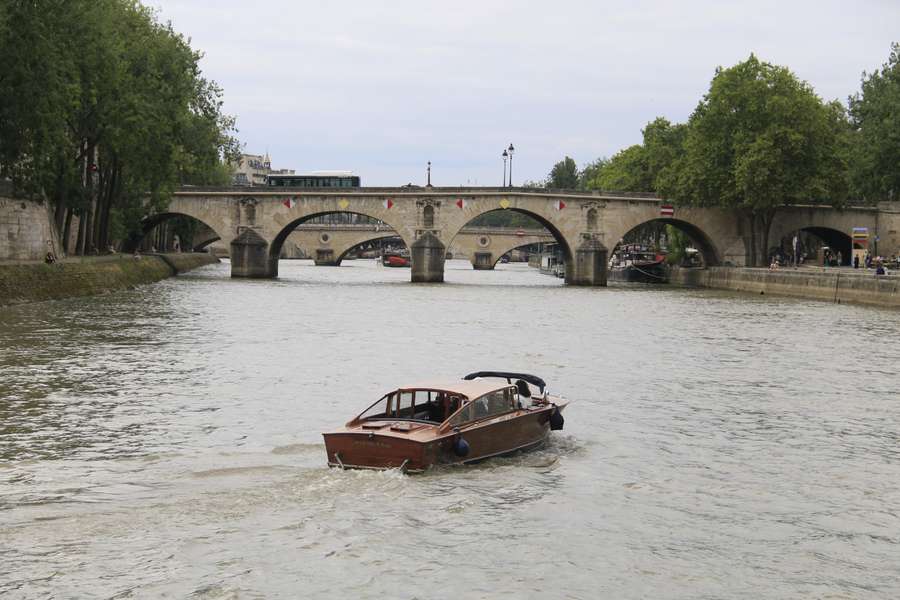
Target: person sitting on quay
(880,270)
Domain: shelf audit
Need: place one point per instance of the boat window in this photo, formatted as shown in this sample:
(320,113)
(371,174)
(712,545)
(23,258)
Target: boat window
(494,403)
(378,410)
(463,416)
(405,405)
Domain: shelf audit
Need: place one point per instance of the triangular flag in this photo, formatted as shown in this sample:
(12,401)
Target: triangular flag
(290,202)
(560,205)
(388,203)
(461,203)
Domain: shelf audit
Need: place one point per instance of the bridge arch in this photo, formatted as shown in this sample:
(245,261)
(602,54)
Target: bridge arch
(152,222)
(835,240)
(277,242)
(701,240)
(387,235)
(507,248)
(489,257)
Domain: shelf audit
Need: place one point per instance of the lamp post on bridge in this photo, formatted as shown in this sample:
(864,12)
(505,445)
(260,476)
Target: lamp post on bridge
(504,166)
(510,150)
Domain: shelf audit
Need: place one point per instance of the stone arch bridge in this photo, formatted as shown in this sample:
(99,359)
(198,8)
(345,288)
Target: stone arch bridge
(255,222)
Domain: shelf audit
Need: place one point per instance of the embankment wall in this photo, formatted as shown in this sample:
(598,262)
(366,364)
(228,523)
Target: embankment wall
(35,282)
(26,230)
(830,285)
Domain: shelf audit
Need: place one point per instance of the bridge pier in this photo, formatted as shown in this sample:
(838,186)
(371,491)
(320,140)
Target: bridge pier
(250,256)
(427,257)
(590,264)
(484,261)
(325,258)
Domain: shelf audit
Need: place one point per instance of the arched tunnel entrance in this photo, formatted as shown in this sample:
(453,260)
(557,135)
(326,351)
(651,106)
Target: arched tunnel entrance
(647,252)
(820,246)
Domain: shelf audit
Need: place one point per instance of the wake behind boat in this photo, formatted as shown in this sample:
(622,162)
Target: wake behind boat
(488,413)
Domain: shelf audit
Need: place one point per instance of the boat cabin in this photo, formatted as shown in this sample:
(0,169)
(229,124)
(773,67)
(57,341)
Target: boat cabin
(446,404)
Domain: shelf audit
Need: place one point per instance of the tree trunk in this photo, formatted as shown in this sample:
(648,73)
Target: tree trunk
(766,217)
(79,243)
(59,198)
(67,228)
(751,220)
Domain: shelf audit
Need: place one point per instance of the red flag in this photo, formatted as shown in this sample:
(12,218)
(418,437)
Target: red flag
(560,205)
(461,203)
(388,203)
(667,210)
(290,202)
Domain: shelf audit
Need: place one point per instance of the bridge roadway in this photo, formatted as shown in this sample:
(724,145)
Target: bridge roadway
(256,222)
(329,244)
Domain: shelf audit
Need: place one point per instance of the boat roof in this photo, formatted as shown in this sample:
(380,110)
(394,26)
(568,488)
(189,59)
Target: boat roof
(469,389)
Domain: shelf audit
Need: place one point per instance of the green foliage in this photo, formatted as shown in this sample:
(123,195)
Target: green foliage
(104,110)
(875,116)
(678,242)
(639,167)
(563,175)
(590,172)
(760,139)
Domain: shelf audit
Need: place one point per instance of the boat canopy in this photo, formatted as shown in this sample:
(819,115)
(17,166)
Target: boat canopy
(532,379)
(468,389)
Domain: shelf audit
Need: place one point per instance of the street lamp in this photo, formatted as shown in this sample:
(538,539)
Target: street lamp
(510,150)
(505,154)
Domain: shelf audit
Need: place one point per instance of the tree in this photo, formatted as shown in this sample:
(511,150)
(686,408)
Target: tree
(875,116)
(103,110)
(760,139)
(563,175)
(638,168)
(590,172)
(626,171)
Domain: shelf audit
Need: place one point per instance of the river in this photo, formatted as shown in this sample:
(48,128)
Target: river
(165,442)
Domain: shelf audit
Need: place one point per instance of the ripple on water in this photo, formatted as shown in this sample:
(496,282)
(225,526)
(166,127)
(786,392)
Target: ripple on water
(166,442)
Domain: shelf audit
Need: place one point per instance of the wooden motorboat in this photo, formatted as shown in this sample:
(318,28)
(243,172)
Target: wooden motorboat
(485,414)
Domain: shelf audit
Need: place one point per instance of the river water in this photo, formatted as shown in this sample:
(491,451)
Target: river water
(165,442)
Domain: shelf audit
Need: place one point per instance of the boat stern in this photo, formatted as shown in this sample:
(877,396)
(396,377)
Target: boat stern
(359,448)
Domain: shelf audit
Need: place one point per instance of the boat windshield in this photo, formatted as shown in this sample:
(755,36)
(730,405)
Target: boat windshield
(413,405)
(489,405)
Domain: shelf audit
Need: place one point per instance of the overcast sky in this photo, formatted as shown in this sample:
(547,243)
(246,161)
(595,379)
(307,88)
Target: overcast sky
(380,88)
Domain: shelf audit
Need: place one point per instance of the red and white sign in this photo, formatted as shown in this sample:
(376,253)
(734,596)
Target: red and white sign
(388,203)
(290,202)
(461,202)
(559,204)
(667,210)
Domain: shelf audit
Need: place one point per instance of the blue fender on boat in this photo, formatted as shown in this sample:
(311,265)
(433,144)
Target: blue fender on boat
(556,419)
(461,447)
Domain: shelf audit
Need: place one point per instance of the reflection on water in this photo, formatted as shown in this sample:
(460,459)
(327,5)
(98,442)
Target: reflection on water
(165,442)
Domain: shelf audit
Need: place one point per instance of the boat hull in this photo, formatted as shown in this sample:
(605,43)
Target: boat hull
(393,260)
(640,273)
(360,449)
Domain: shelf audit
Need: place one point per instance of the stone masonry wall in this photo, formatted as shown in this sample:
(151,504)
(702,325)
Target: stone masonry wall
(830,285)
(25,229)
